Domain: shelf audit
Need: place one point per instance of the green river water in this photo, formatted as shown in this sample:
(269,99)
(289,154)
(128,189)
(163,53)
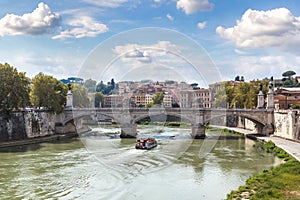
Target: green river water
(101,166)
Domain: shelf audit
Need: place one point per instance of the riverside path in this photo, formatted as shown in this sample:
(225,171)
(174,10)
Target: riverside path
(291,147)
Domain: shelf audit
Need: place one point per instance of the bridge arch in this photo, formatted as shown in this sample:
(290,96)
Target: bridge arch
(252,118)
(177,115)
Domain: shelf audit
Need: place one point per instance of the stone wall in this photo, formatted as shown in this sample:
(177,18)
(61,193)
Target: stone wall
(29,124)
(12,127)
(287,124)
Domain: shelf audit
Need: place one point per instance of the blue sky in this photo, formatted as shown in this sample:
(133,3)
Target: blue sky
(250,38)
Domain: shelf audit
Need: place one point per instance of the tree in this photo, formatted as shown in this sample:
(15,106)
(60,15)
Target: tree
(99,100)
(194,85)
(112,83)
(149,105)
(158,98)
(101,87)
(288,74)
(175,105)
(80,96)
(220,98)
(90,85)
(48,92)
(14,88)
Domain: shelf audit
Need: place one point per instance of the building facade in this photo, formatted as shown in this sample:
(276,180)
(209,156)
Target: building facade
(284,98)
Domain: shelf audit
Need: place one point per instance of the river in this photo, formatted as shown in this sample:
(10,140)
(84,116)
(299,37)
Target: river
(99,165)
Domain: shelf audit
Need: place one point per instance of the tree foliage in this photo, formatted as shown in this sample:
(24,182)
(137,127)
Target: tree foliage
(288,74)
(80,96)
(99,100)
(110,88)
(90,85)
(242,95)
(158,98)
(48,92)
(14,88)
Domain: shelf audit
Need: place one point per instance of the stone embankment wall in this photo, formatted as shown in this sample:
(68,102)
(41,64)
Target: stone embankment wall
(31,124)
(287,124)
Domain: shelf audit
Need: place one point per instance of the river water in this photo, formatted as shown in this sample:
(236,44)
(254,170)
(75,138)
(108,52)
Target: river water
(99,165)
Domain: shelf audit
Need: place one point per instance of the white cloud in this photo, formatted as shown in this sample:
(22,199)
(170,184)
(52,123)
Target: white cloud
(58,66)
(193,6)
(83,26)
(42,20)
(106,3)
(201,25)
(253,67)
(272,28)
(146,53)
(240,52)
(170,17)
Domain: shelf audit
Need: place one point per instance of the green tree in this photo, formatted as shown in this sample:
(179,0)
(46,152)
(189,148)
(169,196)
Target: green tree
(99,99)
(175,105)
(241,95)
(80,96)
(90,85)
(220,98)
(48,92)
(14,88)
(288,74)
(101,87)
(158,98)
(112,83)
(149,105)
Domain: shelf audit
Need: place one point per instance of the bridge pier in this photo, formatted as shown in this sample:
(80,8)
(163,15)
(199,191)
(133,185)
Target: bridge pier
(128,130)
(198,131)
(268,130)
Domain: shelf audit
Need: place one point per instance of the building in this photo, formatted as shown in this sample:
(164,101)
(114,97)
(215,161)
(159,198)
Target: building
(167,101)
(195,98)
(148,98)
(139,99)
(284,98)
(113,100)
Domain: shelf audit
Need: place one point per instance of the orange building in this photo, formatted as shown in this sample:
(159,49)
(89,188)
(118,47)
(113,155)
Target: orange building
(284,98)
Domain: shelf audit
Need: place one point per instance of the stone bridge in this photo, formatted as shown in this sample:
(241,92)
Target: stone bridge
(197,117)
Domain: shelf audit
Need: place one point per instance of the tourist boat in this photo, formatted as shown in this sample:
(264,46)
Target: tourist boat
(145,143)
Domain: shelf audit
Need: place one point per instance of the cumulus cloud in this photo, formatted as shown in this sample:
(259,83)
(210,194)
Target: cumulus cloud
(146,53)
(193,6)
(106,3)
(83,26)
(42,20)
(252,66)
(257,29)
(201,25)
(170,17)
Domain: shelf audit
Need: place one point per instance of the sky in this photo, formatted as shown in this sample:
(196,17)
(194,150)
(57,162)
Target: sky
(190,40)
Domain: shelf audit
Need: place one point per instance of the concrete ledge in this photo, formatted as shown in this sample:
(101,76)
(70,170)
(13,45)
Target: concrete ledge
(36,140)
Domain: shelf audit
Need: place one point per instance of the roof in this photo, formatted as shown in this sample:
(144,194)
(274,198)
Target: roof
(293,89)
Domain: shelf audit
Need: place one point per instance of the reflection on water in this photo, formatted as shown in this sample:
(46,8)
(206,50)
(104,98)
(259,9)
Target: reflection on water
(99,166)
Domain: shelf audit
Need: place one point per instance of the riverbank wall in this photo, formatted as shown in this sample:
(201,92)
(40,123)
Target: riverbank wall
(32,124)
(287,124)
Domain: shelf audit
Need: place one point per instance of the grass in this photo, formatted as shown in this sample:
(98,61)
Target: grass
(280,182)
